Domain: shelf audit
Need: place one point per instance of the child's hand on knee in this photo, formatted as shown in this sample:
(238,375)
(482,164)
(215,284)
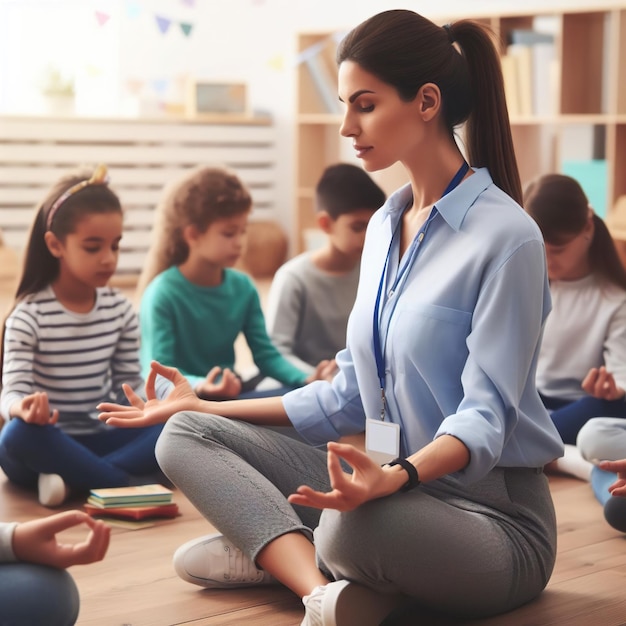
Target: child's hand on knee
(36,541)
(601,384)
(325,370)
(34,409)
(229,385)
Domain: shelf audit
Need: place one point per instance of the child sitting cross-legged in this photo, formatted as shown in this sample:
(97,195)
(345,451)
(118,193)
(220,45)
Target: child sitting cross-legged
(581,369)
(311,295)
(69,343)
(195,304)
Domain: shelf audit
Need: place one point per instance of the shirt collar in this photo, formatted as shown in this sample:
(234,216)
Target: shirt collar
(452,207)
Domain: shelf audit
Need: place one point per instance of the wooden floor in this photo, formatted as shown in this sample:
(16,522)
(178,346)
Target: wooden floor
(136,585)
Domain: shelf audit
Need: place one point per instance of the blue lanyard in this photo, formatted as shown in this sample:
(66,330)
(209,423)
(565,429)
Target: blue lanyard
(378,351)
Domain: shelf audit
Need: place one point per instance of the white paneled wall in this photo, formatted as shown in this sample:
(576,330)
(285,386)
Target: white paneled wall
(142,157)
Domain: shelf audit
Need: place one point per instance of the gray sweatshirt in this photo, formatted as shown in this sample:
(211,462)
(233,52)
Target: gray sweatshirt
(308,310)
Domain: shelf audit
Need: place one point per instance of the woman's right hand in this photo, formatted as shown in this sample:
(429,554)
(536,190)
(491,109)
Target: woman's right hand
(34,409)
(139,414)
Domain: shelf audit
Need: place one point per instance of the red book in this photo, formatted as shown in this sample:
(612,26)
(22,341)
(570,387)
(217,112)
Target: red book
(134,512)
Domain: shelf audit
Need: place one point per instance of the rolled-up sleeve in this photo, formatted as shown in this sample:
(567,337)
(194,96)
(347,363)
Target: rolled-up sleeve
(325,411)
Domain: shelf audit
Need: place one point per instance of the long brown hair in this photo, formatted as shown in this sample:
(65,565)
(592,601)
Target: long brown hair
(560,207)
(200,197)
(406,50)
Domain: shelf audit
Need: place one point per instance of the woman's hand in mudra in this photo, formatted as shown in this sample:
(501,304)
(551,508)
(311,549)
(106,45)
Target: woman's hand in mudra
(152,411)
(368,481)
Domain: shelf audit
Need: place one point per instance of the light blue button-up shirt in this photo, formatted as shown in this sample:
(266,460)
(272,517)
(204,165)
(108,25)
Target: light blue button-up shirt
(460,335)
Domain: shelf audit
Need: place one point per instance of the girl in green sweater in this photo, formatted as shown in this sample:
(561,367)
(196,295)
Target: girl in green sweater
(194,304)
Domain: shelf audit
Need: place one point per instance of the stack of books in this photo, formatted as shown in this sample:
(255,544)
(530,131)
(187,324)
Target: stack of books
(137,502)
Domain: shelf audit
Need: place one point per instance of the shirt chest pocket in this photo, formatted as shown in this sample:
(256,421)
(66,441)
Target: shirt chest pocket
(429,338)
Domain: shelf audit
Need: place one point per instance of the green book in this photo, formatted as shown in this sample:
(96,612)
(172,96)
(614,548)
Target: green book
(137,495)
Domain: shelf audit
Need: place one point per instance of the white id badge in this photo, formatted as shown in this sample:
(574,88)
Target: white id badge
(382,440)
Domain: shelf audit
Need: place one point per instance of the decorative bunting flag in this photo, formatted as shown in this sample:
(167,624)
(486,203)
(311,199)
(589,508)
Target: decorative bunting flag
(134,86)
(277,63)
(133,9)
(102,18)
(160,85)
(93,71)
(186,28)
(163,23)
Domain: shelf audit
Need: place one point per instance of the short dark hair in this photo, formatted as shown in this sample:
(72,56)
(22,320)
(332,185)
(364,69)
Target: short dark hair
(344,188)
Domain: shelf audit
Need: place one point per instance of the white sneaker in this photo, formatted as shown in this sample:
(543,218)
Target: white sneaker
(214,562)
(52,490)
(343,603)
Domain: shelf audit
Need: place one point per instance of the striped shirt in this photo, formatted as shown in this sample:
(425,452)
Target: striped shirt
(78,359)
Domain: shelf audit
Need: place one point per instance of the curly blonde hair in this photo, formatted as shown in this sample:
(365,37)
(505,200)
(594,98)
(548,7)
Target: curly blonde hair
(200,197)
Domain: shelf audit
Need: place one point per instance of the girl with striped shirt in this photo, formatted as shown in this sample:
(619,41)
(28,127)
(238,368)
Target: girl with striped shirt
(69,343)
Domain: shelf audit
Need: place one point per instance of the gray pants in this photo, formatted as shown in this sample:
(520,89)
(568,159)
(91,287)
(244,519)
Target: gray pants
(472,550)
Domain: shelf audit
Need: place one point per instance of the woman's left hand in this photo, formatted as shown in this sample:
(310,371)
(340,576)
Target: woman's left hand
(601,384)
(368,481)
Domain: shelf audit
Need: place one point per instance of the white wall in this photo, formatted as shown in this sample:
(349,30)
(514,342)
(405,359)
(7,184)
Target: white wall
(127,66)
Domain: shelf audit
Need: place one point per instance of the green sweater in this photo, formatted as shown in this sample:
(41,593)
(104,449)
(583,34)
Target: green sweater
(194,328)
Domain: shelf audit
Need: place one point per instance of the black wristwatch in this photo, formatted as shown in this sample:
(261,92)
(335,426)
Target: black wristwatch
(411,470)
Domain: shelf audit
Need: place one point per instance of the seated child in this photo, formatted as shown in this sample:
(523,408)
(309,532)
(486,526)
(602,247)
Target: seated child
(311,295)
(581,371)
(35,586)
(69,344)
(195,304)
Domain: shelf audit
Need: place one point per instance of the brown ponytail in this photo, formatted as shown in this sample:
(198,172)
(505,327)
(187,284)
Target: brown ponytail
(489,139)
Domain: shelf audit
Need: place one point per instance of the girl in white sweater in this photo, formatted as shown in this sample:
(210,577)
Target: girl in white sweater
(581,372)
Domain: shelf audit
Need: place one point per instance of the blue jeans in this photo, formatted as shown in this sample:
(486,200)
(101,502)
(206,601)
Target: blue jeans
(32,595)
(110,458)
(600,483)
(569,417)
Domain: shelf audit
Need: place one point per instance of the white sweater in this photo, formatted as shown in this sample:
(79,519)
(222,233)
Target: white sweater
(586,328)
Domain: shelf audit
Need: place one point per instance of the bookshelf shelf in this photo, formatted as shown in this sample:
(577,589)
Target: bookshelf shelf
(569,116)
(319,118)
